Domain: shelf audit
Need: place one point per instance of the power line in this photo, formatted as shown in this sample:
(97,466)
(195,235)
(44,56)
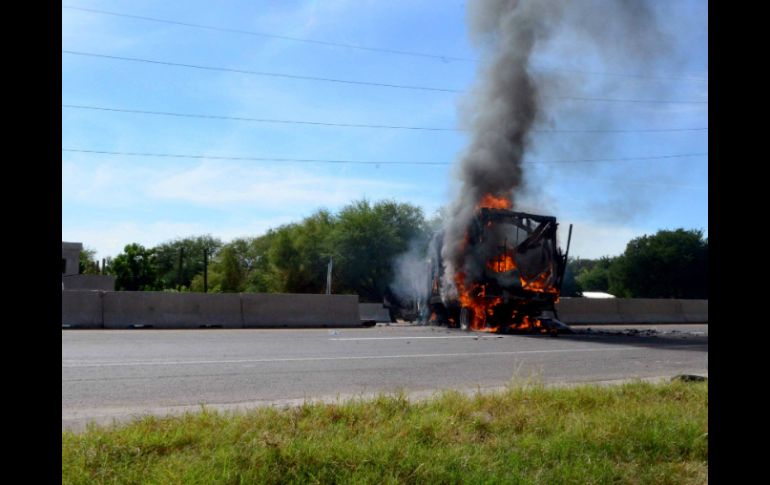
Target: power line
(258,120)
(261,73)
(259,159)
(542,67)
(349,125)
(347,81)
(626,159)
(441,57)
(363,162)
(644,184)
(275,36)
(643,130)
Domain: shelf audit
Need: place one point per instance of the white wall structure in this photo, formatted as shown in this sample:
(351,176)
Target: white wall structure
(70,255)
(70,277)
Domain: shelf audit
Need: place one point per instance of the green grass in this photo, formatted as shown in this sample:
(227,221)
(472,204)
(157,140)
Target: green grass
(631,433)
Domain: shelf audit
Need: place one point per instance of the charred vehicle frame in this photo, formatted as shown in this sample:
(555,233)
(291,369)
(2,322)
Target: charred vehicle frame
(518,283)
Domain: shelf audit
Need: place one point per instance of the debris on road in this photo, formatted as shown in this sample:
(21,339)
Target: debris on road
(688,378)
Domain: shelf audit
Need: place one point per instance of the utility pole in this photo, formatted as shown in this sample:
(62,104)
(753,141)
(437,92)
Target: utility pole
(179,270)
(205,270)
(329,277)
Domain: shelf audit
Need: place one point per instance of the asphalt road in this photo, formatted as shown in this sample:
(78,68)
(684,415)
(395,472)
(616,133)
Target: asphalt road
(116,374)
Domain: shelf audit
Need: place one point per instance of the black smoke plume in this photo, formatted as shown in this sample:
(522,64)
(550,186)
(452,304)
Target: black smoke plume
(510,100)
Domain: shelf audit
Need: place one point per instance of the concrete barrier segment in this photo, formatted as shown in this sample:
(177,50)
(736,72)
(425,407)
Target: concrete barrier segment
(288,310)
(374,312)
(81,309)
(157,309)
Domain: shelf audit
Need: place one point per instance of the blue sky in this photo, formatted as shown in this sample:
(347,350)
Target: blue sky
(109,201)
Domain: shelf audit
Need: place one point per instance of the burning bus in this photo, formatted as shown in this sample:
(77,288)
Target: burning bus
(495,269)
(511,278)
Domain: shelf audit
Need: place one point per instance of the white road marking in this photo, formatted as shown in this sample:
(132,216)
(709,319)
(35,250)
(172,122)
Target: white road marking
(312,359)
(409,338)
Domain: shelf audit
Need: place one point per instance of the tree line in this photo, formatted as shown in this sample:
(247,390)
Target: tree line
(668,264)
(363,241)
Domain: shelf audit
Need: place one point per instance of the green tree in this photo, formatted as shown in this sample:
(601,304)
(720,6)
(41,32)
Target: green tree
(311,243)
(292,258)
(261,277)
(669,264)
(213,283)
(363,238)
(365,242)
(595,276)
(284,259)
(134,269)
(185,251)
(581,264)
(232,271)
(87,263)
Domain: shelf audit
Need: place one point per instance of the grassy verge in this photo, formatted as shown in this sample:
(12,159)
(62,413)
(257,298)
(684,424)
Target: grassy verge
(632,433)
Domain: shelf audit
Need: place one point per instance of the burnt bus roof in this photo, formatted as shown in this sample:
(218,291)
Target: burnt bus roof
(529,223)
(497,215)
(493,214)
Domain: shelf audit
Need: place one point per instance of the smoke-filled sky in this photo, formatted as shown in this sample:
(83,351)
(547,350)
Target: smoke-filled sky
(110,200)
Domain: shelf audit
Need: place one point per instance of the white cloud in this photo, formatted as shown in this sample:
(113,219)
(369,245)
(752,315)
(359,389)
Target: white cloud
(249,200)
(216,185)
(219,185)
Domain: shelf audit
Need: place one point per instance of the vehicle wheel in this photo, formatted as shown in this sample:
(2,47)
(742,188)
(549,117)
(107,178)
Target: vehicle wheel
(466,318)
(437,315)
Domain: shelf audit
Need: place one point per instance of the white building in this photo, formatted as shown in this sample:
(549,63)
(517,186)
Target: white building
(71,279)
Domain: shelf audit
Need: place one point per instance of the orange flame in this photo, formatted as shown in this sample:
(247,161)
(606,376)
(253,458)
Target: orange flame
(475,299)
(502,263)
(505,262)
(489,201)
(539,284)
(527,324)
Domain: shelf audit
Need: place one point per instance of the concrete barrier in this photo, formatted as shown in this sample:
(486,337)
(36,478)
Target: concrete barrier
(88,282)
(649,310)
(81,309)
(124,309)
(271,310)
(588,310)
(631,310)
(374,312)
(695,311)
(156,309)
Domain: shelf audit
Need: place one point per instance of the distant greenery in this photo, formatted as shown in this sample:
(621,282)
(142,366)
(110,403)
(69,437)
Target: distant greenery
(592,274)
(668,264)
(186,251)
(135,269)
(364,239)
(87,264)
(633,433)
